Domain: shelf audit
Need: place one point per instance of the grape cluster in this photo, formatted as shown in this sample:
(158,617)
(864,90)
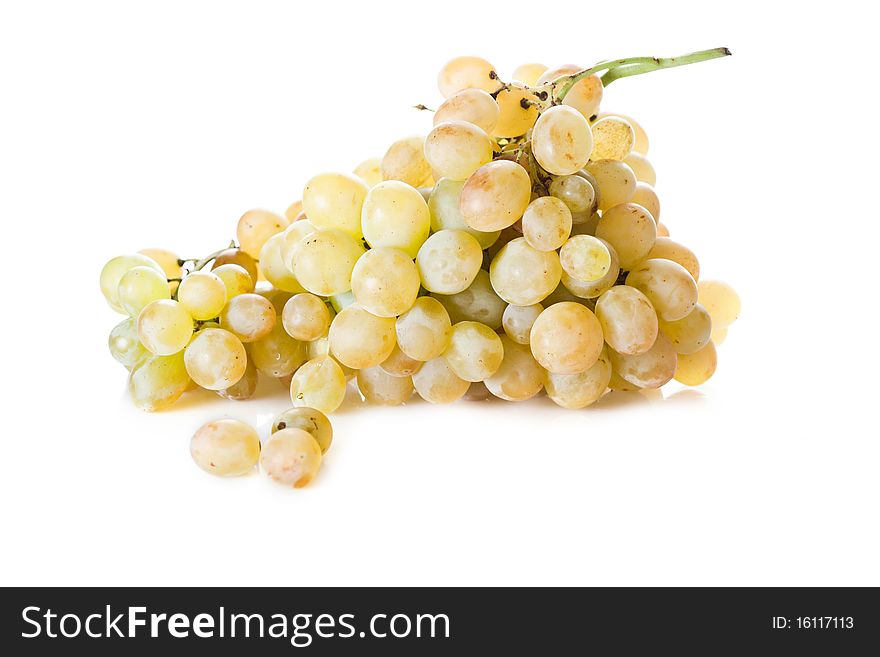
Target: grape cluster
(515,249)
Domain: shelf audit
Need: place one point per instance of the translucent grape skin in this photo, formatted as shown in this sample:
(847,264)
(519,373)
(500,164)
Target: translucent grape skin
(495,196)
(478,303)
(616,182)
(561,140)
(396,215)
(670,288)
(518,321)
(437,383)
(519,377)
(399,364)
(360,339)
(690,333)
(203,294)
(528,74)
(140,286)
(472,105)
(323,261)
(566,338)
(382,389)
(257,226)
(235,279)
(455,149)
(423,331)
(249,317)
(385,281)
(164,327)
(334,201)
(294,211)
(721,301)
(516,111)
(448,261)
(319,383)
(226,448)
(245,387)
(443,204)
(310,420)
(586,258)
(274,266)
(575,191)
(669,249)
(124,344)
(277,354)
(291,457)
(585,96)
(370,171)
(522,275)
(467,73)
(405,161)
(631,230)
(168,261)
(546,223)
(156,382)
(215,359)
(237,257)
(698,367)
(113,272)
(628,320)
(613,139)
(475,351)
(574,391)
(650,369)
(591,290)
(641,143)
(642,167)
(306,317)
(648,199)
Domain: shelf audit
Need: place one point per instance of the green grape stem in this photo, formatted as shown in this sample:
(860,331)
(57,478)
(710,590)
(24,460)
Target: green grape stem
(622,68)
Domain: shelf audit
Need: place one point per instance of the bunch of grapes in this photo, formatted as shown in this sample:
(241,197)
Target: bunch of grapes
(515,249)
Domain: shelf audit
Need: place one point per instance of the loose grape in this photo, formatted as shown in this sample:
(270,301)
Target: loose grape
(561,140)
(124,344)
(215,359)
(291,457)
(437,383)
(405,161)
(721,301)
(396,215)
(248,316)
(360,339)
(443,204)
(518,321)
(629,322)
(495,196)
(650,369)
(631,230)
(323,261)
(448,261)
(519,377)
(546,223)
(113,272)
(140,286)
(475,351)
(670,288)
(423,331)
(690,333)
(277,354)
(227,447)
(566,338)
(257,226)
(235,279)
(385,281)
(164,327)
(478,303)
(380,388)
(203,294)
(319,383)
(310,420)
(472,105)
(616,182)
(466,73)
(455,149)
(522,275)
(156,382)
(585,258)
(334,201)
(582,389)
(306,317)
(613,139)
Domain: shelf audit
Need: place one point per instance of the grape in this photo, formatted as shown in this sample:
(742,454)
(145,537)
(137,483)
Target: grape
(518,321)
(237,257)
(113,272)
(576,192)
(306,317)
(648,199)
(690,333)
(156,382)
(495,196)
(124,344)
(245,387)
(619,384)
(215,359)
(291,457)
(405,161)
(310,420)
(519,376)
(227,447)
(164,327)
(566,338)
(399,364)
(257,226)
(697,368)
(561,140)
(276,297)
(629,322)
(323,261)
(585,96)
(319,383)
(203,294)
(616,182)
(546,223)
(721,301)
(292,236)
(643,169)
(581,389)
(466,73)
(448,261)
(379,387)
(360,339)
(294,211)
(662,230)
(455,149)
(334,201)
(249,317)
(275,268)
(631,230)
(474,352)
(591,290)
(168,261)
(529,73)
(671,250)
(477,391)
(341,301)
(423,331)
(370,171)
(478,303)
(641,143)
(585,258)
(522,275)
(613,139)
(650,369)
(235,279)
(719,335)
(139,286)
(514,119)
(471,105)
(670,288)
(277,354)
(385,282)
(395,214)
(437,383)
(443,204)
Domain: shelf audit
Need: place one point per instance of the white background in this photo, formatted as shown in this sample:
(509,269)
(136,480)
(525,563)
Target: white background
(132,125)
